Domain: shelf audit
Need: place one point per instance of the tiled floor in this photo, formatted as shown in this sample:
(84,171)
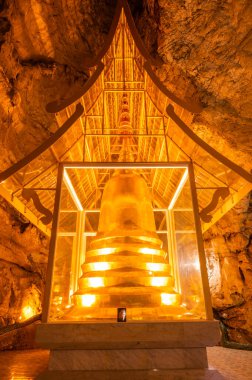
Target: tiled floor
(232,364)
(25,365)
(22,365)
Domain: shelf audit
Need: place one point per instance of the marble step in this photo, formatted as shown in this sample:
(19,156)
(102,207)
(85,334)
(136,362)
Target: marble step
(154,374)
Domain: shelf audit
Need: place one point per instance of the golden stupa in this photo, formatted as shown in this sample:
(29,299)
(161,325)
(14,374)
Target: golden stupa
(126,265)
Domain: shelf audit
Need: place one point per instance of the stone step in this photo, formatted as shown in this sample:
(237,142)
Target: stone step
(154,374)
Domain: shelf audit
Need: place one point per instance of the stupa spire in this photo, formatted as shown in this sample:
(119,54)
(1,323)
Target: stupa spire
(125,128)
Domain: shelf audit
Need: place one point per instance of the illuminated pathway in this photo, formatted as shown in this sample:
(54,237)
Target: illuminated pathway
(26,365)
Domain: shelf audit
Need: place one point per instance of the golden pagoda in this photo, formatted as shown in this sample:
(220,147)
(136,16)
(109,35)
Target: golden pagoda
(126,265)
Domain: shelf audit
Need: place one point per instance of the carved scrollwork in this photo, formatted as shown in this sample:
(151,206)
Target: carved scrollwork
(29,194)
(222,192)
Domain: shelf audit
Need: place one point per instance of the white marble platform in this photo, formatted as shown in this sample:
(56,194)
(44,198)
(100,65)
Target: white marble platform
(128,335)
(179,374)
(128,359)
(158,350)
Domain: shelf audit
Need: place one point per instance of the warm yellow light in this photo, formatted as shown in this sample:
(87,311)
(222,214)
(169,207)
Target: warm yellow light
(27,312)
(101,266)
(153,266)
(87,300)
(95,282)
(106,251)
(179,189)
(72,191)
(168,299)
(195,298)
(124,166)
(196,265)
(147,251)
(158,281)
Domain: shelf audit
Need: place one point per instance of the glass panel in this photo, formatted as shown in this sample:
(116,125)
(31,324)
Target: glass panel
(67,221)
(184,221)
(60,297)
(121,252)
(91,221)
(190,280)
(160,220)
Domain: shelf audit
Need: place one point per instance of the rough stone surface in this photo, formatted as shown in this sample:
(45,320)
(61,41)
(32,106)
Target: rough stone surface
(21,338)
(23,261)
(228,247)
(206,48)
(206,51)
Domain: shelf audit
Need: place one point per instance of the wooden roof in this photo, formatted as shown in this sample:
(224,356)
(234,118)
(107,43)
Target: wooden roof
(89,131)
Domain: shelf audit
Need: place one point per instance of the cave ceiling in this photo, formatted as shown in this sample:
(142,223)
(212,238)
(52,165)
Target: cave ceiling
(205,50)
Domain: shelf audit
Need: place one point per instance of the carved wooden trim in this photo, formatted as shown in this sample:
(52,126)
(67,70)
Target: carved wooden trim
(58,106)
(44,146)
(222,192)
(237,169)
(29,194)
(192,106)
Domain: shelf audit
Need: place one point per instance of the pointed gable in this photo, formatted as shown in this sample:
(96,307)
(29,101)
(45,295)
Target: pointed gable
(88,131)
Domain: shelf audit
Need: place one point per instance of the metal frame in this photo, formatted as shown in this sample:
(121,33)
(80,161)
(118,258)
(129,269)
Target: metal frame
(78,247)
(52,247)
(202,257)
(79,235)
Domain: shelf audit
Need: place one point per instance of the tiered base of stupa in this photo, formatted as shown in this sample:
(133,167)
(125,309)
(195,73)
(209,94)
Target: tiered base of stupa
(126,272)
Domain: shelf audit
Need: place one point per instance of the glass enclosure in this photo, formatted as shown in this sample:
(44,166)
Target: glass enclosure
(120,239)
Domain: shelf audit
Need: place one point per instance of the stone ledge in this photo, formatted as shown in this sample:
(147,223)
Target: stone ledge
(192,374)
(132,359)
(128,335)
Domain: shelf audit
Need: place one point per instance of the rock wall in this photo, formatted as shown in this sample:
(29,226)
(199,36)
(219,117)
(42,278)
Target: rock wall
(228,247)
(23,261)
(206,48)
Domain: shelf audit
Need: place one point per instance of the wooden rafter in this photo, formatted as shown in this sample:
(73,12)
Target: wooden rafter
(159,123)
